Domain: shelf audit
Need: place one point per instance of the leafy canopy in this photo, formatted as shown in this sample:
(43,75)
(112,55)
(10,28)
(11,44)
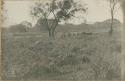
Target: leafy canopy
(57,9)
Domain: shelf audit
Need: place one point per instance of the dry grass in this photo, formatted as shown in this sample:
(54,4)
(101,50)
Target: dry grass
(82,57)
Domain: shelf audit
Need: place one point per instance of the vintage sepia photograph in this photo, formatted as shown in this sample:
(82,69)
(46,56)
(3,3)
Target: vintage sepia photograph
(61,40)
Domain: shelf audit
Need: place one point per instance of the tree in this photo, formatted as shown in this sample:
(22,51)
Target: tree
(56,11)
(113,5)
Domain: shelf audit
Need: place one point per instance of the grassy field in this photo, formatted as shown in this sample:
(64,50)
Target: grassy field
(77,57)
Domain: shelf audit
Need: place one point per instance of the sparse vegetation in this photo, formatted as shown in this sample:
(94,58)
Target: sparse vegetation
(95,56)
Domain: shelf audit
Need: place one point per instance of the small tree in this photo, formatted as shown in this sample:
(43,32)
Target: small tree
(56,10)
(113,5)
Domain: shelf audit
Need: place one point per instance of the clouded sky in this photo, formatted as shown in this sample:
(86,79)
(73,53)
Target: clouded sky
(18,11)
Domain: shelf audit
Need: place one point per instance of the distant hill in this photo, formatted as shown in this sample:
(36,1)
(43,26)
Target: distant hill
(98,26)
(107,23)
(40,26)
(20,28)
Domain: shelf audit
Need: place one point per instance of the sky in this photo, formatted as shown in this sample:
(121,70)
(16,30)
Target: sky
(18,11)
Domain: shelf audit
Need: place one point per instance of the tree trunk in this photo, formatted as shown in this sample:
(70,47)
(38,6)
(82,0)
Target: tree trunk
(112,19)
(51,33)
(53,28)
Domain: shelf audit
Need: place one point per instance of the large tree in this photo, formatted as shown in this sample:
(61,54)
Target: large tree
(56,11)
(113,5)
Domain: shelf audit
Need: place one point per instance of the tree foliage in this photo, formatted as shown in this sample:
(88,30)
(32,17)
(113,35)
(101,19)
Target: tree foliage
(56,10)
